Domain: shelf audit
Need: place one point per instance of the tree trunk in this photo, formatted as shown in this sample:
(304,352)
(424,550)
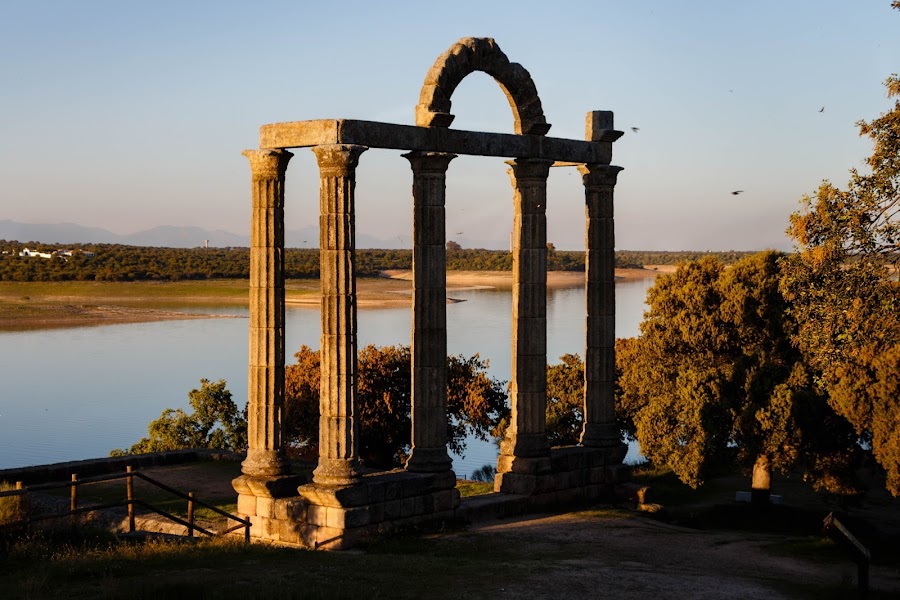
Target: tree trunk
(761,487)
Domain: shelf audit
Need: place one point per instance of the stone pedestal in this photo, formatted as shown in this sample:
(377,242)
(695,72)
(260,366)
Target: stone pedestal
(429,319)
(336,517)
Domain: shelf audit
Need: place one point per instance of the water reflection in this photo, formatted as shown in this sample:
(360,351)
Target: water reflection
(69,394)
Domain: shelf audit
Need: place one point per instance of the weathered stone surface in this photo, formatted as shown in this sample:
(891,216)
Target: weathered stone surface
(343,504)
(479,54)
(372,134)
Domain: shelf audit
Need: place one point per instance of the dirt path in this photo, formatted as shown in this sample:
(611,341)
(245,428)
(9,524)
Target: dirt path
(614,553)
(580,556)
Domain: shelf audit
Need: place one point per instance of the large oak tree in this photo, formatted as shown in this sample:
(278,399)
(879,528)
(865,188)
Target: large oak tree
(714,380)
(842,285)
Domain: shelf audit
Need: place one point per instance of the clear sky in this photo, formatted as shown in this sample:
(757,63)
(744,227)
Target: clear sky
(128,115)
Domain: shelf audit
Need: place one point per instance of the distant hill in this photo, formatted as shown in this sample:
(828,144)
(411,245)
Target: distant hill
(169,236)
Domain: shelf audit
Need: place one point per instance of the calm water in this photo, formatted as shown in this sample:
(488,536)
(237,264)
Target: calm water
(70,394)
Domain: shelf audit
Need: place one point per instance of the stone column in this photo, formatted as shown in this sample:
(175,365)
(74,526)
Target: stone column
(526,436)
(265,454)
(600,429)
(338,424)
(429,323)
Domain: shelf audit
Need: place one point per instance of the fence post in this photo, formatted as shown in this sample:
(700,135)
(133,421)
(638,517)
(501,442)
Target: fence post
(190,514)
(73,503)
(129,494)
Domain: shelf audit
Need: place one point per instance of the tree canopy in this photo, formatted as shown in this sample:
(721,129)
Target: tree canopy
(476,403)
(713,378)
(843,289)
(215,423)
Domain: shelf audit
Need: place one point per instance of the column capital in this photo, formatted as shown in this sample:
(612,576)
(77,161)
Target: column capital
(338,160)
(429,162)
(528,168)
(599,175)
(268,163)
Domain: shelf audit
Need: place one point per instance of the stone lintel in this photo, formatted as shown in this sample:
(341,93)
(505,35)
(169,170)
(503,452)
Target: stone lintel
(299,134)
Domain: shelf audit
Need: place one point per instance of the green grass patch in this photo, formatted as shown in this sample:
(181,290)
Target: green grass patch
(474,488)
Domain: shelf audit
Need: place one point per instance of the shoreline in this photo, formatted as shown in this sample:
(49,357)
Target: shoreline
(27,306)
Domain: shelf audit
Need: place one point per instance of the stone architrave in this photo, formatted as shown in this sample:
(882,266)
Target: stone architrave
(600,428)
(526,436)
(338,420)
(265,454)
(429,323)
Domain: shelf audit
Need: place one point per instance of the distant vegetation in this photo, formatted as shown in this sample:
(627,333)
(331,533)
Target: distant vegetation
(116,262)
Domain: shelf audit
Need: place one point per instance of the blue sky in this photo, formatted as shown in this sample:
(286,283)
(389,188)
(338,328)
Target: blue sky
(128,115)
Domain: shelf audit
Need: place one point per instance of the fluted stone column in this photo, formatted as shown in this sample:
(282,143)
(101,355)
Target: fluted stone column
(338,423)
(526,436)
(429,323)
(600,429)
(265,393)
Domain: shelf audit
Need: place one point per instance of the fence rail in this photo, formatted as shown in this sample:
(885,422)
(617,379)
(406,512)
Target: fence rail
(129,502)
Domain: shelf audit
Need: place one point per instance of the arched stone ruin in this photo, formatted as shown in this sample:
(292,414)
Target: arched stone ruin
(344,501)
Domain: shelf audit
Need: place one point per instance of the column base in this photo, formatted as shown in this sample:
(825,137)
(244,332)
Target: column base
(525,445)
(429,460)
(339,471)
(281,486)
(601,435)
(264,463)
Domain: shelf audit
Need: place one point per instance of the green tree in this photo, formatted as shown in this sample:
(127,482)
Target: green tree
(565,400)
(842,284)
(713,378)
(475,402)
(215,423)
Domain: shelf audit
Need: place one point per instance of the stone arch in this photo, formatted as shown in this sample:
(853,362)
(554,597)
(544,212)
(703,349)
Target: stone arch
(479,54)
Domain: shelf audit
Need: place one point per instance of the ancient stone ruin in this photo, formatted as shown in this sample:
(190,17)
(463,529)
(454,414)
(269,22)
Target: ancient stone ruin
(345,501)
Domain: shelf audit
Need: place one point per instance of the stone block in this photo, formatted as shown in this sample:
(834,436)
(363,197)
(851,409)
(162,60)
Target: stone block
(428,503)
(375,490)
(356,494)
(290,532)
(445,480)
(246,505)
(265,507)
(407,507)
(445,500)
(392,509)
(414,485)
(515,483)
(274,487)
(419,506)
(376,512)
(329,538)
(317,515)
(391,490)
(271,529)
(347,518)
(293,509)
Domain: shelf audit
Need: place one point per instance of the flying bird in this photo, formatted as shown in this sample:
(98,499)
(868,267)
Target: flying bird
(635,129)
(822,109)
(736,192)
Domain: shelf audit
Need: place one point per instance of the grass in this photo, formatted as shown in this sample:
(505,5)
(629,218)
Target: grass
(474,488)
(62,564)
(12,508)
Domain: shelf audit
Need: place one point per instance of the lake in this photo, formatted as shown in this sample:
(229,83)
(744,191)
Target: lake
(77,393)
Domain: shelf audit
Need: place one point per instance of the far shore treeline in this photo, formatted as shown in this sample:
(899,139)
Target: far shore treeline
(116,262)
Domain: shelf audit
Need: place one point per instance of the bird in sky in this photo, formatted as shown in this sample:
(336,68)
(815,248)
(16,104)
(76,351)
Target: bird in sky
(635,129)
(822,109)
(736,192)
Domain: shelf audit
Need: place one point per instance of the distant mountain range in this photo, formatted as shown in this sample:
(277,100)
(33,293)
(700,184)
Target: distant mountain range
(169,236)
